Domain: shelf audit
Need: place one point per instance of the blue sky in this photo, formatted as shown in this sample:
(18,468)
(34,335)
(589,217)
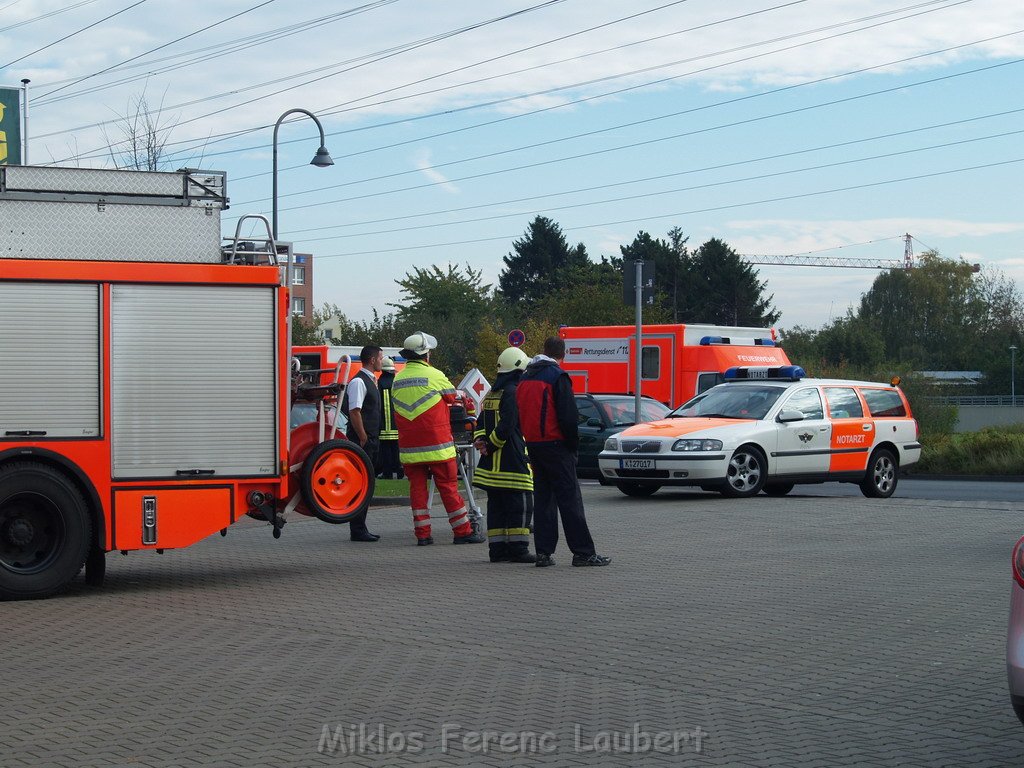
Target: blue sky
(827,126)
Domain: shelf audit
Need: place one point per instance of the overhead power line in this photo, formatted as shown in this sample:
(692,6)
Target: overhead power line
(641,196)
(158,48)
(42,16)
(704,169)
(346,106)
(619,148)
(365,57)
(405,49)
(209,52)
(680,113)
(76,32)
(692,212)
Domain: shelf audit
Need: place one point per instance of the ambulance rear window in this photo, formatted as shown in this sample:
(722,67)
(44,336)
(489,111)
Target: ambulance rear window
(884,402)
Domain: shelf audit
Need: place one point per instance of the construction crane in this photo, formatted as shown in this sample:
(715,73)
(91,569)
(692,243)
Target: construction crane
(815,260)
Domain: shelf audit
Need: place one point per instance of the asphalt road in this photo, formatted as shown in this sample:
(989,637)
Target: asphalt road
(907,488)
(767,632)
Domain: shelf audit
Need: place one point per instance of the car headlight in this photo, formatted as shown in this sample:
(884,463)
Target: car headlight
(697,445)
(611,444)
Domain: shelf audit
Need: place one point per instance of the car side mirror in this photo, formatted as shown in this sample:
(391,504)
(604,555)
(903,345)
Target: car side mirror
(595,422)
(788,415)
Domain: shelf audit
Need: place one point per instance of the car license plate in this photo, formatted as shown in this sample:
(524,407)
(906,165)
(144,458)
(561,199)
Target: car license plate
(636,463)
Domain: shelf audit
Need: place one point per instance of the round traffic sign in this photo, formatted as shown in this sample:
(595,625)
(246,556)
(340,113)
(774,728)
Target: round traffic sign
(516,338)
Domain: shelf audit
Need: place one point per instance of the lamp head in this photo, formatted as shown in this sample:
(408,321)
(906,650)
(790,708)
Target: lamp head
(322,158)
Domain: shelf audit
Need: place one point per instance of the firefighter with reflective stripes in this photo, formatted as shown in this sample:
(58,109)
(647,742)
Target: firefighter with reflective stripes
(420,396)
(390,466)
(503,470)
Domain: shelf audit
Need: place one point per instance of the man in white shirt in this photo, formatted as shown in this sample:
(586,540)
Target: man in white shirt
(361,405)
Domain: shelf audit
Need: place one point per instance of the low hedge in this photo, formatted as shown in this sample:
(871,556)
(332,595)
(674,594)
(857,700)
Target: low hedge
(990,451)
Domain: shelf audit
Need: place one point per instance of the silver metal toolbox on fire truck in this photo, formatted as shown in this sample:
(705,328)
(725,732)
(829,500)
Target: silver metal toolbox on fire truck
(111,215)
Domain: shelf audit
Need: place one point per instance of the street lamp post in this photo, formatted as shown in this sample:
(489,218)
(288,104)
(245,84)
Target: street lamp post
(1013,386)
(321,159)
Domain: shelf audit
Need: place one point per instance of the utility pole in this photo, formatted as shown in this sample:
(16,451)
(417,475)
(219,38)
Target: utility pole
(24,120)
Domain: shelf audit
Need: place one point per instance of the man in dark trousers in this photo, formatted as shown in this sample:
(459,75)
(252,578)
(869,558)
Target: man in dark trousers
(389,465)
(549,421)
(361,405)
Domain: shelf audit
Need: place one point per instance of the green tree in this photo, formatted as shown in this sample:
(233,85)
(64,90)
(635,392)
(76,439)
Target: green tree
(726,289)
(306,332)
(943,315)
(535,266)
(450,304)
(929,314)
(592,295)
(671,267)
(492,340)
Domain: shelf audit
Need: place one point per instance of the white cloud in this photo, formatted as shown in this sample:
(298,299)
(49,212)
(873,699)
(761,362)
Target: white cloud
(423,162)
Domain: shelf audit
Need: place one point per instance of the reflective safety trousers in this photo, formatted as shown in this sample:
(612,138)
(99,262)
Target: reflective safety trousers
(419,400)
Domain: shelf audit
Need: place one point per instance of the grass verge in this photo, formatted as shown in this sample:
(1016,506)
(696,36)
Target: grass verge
(990,451)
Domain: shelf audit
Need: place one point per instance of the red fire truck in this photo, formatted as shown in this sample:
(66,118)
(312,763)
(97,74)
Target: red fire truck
(676,361)
(326,357)
(145,377)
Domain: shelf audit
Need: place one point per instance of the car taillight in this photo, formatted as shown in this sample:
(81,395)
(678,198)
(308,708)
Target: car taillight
(1017,559)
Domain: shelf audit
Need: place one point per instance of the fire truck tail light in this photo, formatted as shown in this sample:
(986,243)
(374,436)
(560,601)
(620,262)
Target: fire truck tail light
(1017,559)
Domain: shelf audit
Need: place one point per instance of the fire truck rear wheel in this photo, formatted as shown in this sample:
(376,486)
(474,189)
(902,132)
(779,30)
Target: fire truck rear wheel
(45,531)
(337,481)
(638,490)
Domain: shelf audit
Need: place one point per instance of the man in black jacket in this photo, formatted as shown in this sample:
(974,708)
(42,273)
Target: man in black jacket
(550,425)
(361,405)
(389,466)
(503,470)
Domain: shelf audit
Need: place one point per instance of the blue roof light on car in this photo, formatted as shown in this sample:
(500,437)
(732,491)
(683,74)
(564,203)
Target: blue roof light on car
(707,341)
(779,373)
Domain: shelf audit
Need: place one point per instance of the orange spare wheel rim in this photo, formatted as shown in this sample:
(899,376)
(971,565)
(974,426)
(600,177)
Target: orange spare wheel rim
(337,481)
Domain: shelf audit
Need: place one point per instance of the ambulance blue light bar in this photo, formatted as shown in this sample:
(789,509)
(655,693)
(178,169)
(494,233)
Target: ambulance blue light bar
(708,341)
(780,373)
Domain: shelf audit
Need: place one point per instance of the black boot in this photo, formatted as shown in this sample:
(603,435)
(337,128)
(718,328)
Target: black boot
(519,552)
(498,551)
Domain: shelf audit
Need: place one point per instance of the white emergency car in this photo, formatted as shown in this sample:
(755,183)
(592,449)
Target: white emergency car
(768,429)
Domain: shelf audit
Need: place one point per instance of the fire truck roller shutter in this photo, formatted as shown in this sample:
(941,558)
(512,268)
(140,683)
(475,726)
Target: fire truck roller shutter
(193,382)
(50,359)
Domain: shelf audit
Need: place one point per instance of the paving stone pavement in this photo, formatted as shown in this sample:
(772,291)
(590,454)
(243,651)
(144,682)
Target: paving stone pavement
(766,632)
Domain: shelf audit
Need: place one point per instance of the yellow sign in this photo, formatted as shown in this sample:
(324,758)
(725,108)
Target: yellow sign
(10,126)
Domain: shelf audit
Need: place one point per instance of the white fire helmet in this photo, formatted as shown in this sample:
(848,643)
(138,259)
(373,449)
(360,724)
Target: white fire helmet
(420,343)
(512,359)
(387,364)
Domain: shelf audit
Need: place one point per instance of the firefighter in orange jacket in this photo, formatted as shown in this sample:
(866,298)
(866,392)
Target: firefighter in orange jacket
(420,396)
(504,470)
